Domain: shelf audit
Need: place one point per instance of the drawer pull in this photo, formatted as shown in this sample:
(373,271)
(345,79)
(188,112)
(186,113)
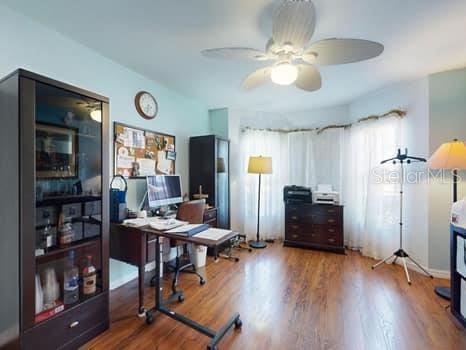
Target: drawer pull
(331,211)
(74,324)
(294,218)
(331,220)
(294,236)
(331,230)
(331,240)
(294,226)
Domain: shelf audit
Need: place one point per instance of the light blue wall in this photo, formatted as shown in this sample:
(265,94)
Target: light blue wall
(447,104)
(27,44)
(30,45)
(219,122)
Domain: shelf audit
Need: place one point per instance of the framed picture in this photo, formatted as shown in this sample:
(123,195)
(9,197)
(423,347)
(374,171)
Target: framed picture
(56,151)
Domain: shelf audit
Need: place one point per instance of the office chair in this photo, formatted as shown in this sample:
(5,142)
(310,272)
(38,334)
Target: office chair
(192,212)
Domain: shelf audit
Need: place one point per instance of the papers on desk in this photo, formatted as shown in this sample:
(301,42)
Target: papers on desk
(188,230)
(164,225)
(139,222)
(155,222)
(213,234)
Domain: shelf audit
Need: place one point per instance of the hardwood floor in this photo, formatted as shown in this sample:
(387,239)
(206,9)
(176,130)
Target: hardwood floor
(291,298)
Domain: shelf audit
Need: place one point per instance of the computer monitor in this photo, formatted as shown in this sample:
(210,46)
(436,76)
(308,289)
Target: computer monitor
(163,190)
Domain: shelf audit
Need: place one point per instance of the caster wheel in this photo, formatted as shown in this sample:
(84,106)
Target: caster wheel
(181,298)
(238,323)
(149,317)
(250,250)
(236,259)
(372,267)
(202,282)
(212,348)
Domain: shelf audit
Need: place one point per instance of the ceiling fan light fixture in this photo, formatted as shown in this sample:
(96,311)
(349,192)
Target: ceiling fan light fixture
(284,73)
(96,115)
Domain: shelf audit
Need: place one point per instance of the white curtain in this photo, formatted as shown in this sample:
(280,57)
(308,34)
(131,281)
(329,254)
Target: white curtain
(300,158)
(371,202)
(347,159)
(316,158)
(269,144)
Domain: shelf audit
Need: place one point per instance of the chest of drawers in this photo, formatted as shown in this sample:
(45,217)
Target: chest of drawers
(317,226)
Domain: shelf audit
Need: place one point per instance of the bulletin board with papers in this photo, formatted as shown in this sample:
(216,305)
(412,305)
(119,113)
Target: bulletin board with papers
(140,152)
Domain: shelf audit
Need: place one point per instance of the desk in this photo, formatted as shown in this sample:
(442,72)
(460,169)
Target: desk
(130,244)
(140,251)
(136,246)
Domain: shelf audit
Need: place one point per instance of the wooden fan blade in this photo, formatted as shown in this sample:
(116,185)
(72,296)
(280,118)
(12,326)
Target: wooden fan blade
(235,53)
(257,78)
(308,78)
(294,23)
(341,51)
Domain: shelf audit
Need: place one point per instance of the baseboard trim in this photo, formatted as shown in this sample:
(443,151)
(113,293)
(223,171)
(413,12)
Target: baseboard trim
(436,273)
(130,276)
(440,273)
(123,280)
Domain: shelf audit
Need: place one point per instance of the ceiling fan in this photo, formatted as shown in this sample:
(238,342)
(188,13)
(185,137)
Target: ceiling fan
(293,60)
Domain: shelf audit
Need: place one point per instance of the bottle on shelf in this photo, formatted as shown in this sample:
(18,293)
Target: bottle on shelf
(89,277)
(50,288)
(70,280)
(39,295)
(46,237)
(66,232)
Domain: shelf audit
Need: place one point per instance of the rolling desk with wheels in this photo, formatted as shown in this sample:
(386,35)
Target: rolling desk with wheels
(137,248)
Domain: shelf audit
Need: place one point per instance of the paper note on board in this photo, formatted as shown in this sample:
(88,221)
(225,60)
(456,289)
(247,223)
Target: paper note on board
(146,167)
(163,165)
(134,138)
(125,162)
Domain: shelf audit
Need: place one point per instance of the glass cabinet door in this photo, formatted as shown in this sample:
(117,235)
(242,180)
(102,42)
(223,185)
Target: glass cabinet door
(222,184)
(68,194)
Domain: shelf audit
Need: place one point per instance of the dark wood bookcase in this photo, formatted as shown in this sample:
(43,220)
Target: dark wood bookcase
(54,158)
(457,281)
(209,167)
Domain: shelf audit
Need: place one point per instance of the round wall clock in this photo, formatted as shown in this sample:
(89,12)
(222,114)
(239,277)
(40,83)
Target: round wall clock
(146,105)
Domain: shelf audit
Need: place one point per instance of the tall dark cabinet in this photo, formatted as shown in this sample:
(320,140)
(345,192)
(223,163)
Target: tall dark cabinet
(209,167)
(54,213)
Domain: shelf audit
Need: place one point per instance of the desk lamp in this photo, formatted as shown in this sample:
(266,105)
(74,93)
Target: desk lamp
(451,156)
(259,165)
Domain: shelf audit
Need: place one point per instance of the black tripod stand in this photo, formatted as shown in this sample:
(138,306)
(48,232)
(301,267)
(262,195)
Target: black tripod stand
(401,253)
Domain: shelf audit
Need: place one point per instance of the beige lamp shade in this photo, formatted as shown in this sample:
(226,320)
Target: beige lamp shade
(260,165)
(450,155)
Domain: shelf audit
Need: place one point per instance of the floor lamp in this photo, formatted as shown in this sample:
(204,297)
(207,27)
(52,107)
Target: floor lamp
(451,156)
(259,165)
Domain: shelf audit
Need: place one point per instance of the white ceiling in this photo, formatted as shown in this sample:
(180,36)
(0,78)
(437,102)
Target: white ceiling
(163,39)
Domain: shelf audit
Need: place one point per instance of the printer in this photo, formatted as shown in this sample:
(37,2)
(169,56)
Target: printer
(325,195)
(297,194)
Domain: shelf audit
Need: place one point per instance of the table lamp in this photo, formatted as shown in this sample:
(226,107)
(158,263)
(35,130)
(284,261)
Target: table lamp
(452,156)
(259,165)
